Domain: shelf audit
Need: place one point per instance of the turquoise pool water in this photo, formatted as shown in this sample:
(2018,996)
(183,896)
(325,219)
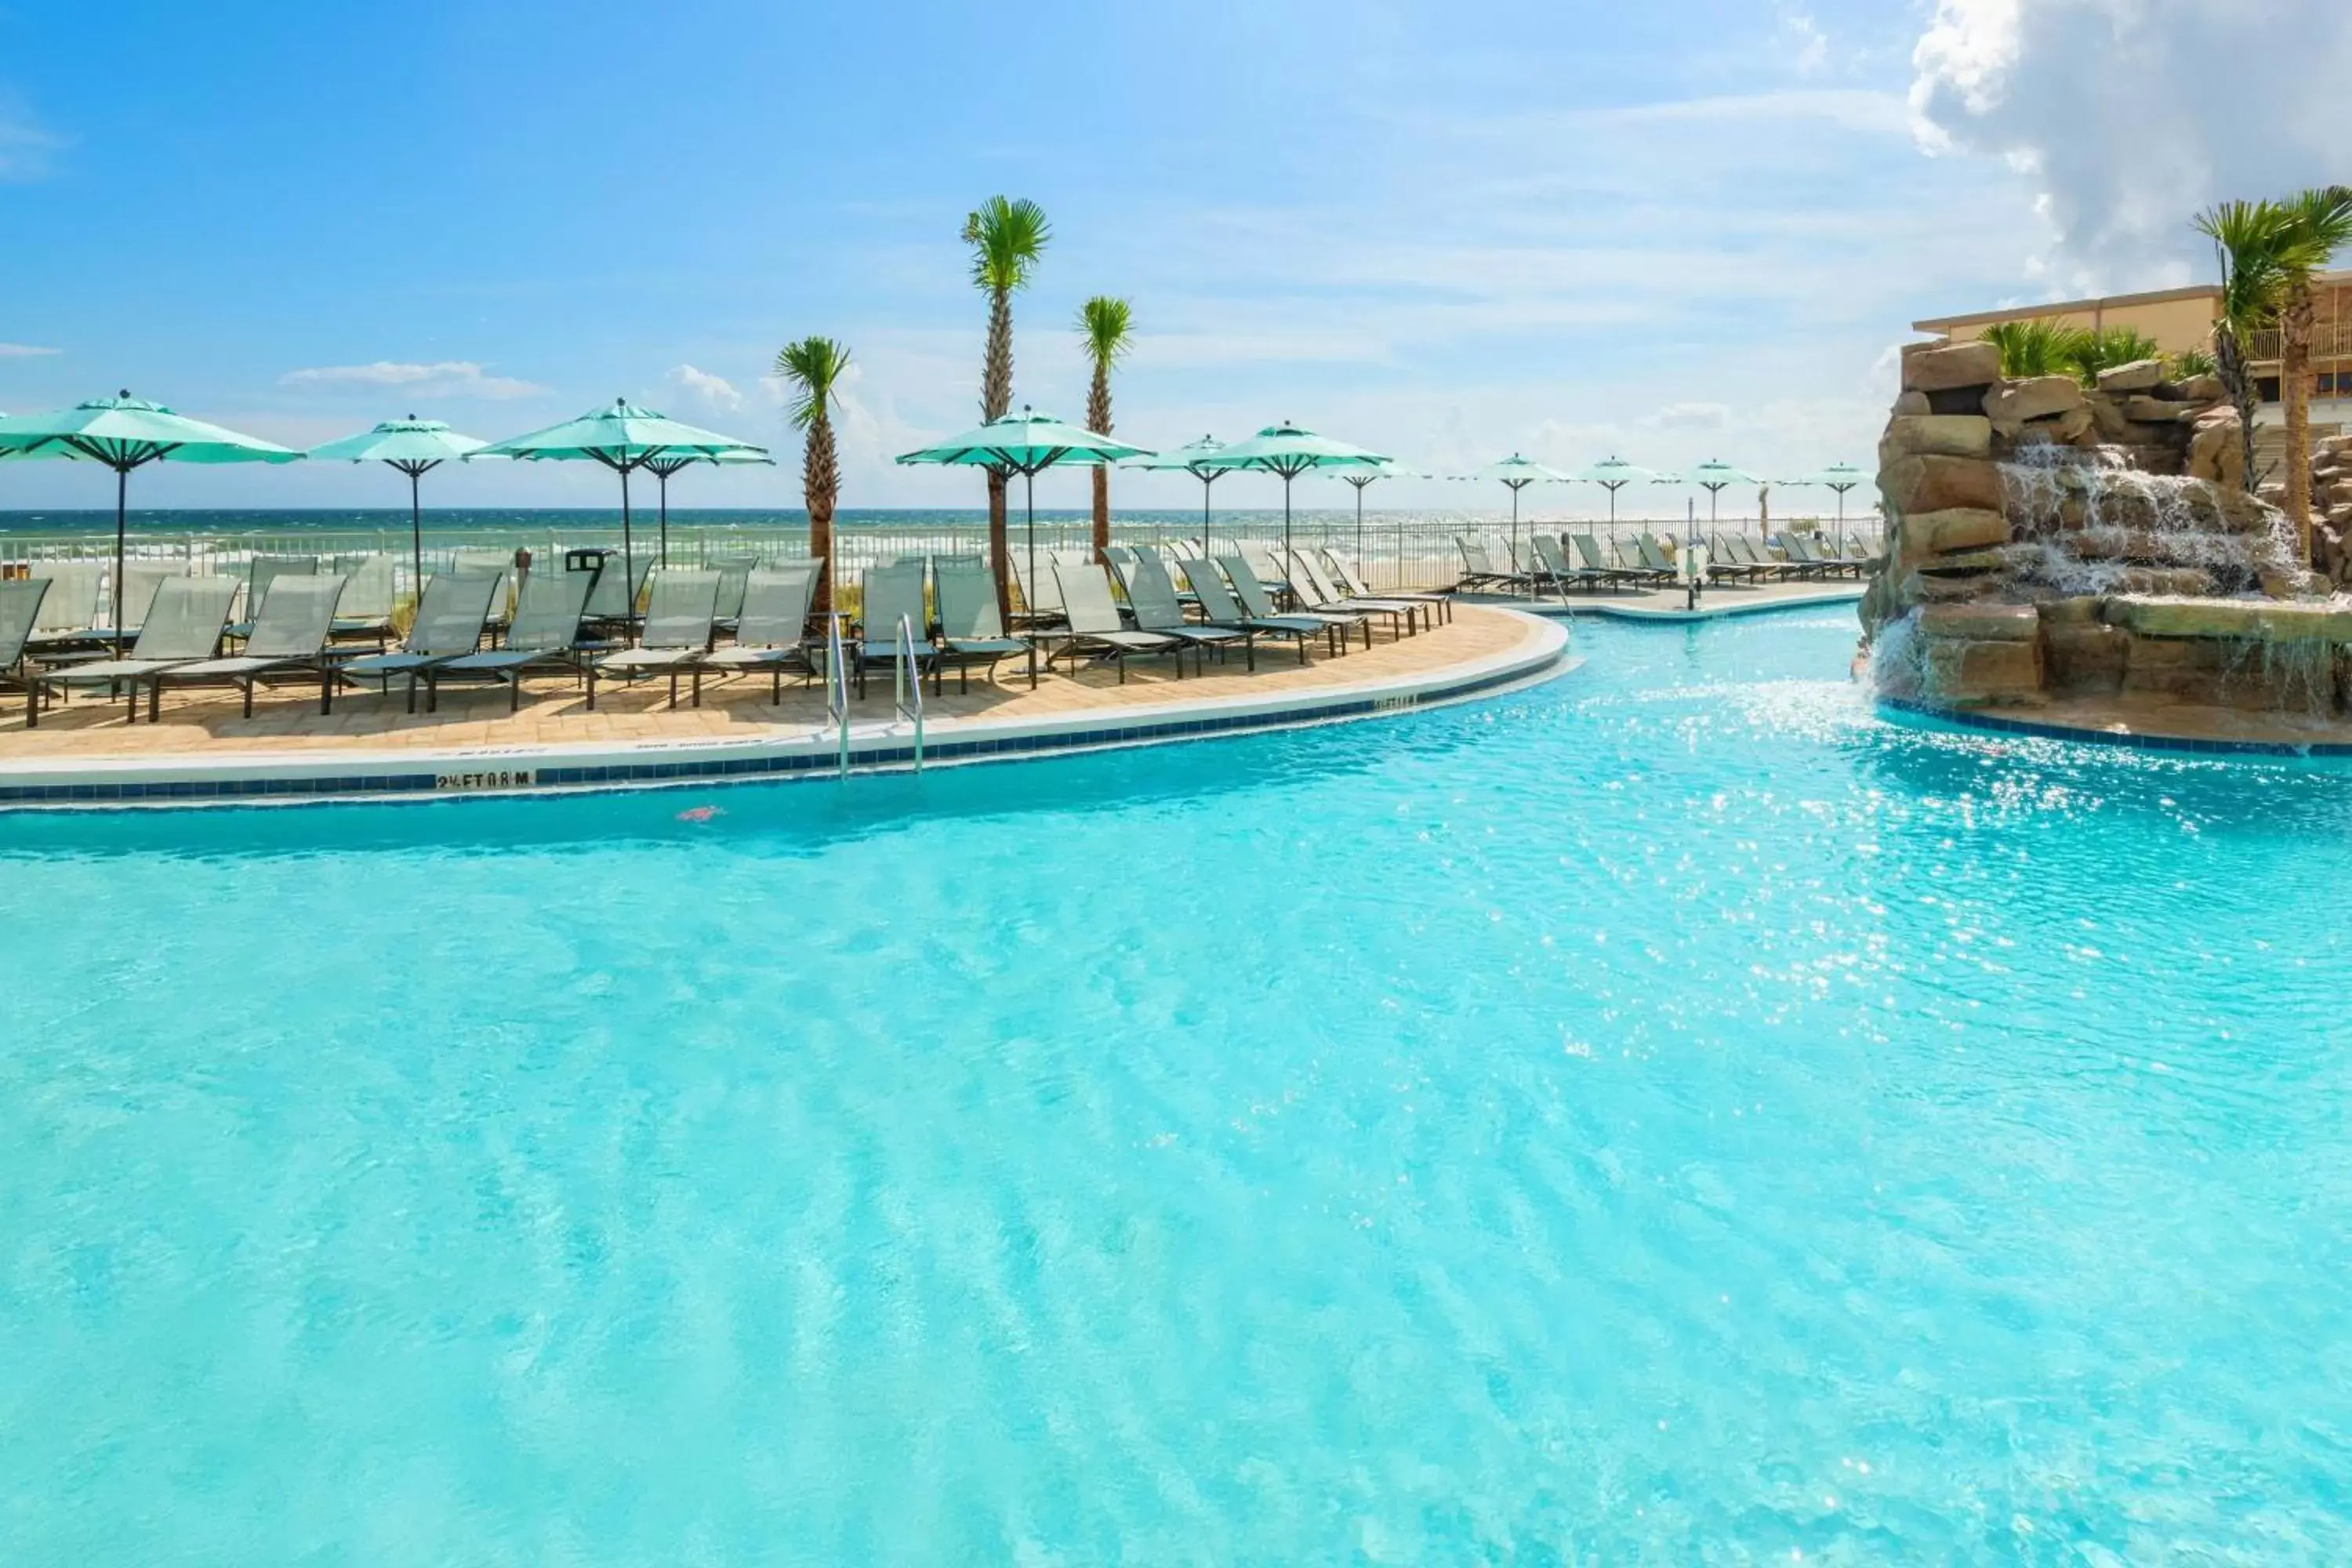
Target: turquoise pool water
(1665,1116)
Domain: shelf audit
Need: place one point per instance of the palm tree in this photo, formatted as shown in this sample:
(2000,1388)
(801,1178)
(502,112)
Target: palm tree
(1106,325)
(814,366)
(1006,239)
(2318,225)
(2247,238)
(2030,348)
(2105,348)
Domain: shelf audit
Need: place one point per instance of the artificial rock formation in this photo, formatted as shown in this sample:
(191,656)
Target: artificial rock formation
(2049,539)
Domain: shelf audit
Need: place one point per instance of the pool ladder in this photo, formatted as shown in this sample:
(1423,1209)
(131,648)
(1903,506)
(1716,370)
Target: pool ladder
(910,680)
(837,684)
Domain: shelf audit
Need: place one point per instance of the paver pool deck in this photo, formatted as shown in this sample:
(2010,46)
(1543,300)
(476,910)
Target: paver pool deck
(202,740)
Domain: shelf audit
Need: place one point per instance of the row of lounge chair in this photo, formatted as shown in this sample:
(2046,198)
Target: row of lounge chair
(548,622)
(1559,562)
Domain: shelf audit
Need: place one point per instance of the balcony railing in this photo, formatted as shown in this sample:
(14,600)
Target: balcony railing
(2327,342)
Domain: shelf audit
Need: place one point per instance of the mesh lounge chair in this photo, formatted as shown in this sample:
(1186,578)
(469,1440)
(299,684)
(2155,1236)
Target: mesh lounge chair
(365,612)
(1152,597)
(140,579)
(1095,627)
(1259,605)
(1322,595)
(679,619)
(288,638)
(1435,606)
(1592,558)
(1041,602)
(498,565)
(734,578)
(181,625)
(1636,563)
(259,573)
(1478,569)
(20,610)
(1220,607)
(771,632)
(543,637)
(888,595)
(68,613)
(448,625)
(1552,553)
(971,631)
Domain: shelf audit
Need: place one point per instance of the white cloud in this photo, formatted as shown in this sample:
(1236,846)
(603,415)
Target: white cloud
(713,392)
(26,151)
(1807,45)
(2126,116)
(1691,416)
(24,351)
(443,378)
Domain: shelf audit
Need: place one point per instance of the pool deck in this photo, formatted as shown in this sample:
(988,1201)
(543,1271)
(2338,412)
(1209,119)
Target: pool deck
(84,753)
(1669,605)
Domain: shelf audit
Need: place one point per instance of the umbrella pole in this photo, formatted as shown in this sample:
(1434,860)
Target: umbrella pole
(1515,539)
(1841,538)
(628,564)
(661,478)
(1206,480)
(417,535)
(121,514)
(1287,567)
(1029,494)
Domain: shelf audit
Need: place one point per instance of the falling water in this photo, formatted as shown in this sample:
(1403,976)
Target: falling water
(2130,531)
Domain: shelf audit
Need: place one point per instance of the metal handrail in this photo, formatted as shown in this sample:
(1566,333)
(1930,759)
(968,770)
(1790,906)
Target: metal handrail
(909,678)
(836,683)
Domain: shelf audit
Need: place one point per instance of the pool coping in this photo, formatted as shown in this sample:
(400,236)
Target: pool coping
(1938,718)
(248,778)
(1843,594)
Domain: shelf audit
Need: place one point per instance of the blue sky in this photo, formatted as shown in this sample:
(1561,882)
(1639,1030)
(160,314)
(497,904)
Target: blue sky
(1446,231)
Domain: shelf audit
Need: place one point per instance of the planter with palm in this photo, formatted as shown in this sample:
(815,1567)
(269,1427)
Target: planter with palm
(2248,238)
(1006,238)
(814,368)
(2318,225)
(1106,324)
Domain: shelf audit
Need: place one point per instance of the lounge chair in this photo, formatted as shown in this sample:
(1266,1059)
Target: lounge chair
(498,565)
(1321,595)
(259,573)
(1478,569)
(1219,606)
(448,625)
(679,619)
(1041,602)
(140,579)
(365,612)
(1440,607)
(68,615)
(20,610)
(971,631)
(1259,605)
(1551,554)
(544,638)
(288,638)
(1095,626)
(734,578)
(1643,567)
(182,625)
(613,604)
(1592,558)
(888,595)
(771,631)
(1151,595)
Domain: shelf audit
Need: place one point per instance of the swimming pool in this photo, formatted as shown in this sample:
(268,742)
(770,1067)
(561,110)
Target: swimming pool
(1666,1115)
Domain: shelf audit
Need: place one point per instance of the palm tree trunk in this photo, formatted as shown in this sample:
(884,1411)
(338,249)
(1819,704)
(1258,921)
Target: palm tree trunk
(2295,393)
(1098,421)
(820,487)
(995,402)
(2229,364)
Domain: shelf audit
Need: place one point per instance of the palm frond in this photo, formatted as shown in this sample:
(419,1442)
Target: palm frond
(2030,347)
(2191,362)
(814,366)
(1108,326)
(1006,236)
(2251,241)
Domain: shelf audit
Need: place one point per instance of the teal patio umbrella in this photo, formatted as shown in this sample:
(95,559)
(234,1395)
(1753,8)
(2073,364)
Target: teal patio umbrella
(1358,479)
(1189,458)
(663,468)
(1840,477)
(1612,474)
(125,433)
(416,447)
(1027,443)
(1715,477)
(1290,451)
(1516,473)
(624,438)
